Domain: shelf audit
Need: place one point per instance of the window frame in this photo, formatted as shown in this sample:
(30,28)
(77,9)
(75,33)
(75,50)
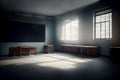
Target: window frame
(102,12)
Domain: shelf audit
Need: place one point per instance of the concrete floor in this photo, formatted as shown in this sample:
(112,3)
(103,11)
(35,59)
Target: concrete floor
(58,66)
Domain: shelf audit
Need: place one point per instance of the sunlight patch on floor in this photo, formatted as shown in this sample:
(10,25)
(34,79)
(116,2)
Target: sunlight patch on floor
(59,65)
(59,56)
(27,60)
(77,60)
(51,60)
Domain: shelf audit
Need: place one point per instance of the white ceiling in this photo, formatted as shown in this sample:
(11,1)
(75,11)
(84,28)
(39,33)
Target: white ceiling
(44,7)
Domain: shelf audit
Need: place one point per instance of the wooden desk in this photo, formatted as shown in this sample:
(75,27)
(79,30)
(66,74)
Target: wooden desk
(70,48)
(87,50)
(91,50)
(48,48)
(13,51)
(27,50)
(20,50)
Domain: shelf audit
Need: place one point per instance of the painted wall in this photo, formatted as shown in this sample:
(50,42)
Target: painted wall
(49,34)
(85,17)
(53,29)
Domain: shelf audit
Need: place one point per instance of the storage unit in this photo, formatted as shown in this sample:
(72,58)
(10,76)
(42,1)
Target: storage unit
(48,48)
(22,50)
(87,50)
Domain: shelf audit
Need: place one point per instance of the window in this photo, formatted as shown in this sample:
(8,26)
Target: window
(70,30)
(103,24)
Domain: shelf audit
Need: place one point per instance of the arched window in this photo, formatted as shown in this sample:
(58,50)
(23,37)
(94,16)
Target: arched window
(70,31)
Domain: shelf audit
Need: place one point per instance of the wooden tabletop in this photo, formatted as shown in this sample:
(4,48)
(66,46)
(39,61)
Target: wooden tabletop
(114,47)
(26,46)
(84,46)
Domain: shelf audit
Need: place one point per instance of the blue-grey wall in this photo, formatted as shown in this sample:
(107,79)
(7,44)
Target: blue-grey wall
(49,34)
(53,29)
(85,17)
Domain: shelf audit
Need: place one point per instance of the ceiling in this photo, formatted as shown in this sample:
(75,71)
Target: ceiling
(44,7)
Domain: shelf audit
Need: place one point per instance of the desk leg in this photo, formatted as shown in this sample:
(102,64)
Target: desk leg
(52,49)
(85,51)
(88,51)
(19,52)
(94,52)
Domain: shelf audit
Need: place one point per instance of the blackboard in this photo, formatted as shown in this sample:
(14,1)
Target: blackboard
(17,31)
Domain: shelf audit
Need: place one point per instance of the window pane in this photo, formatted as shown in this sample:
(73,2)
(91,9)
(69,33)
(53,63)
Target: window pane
(103,34)
(97,18)
(107,17)
(103,26)
(103,30)
(107,34)
(98,30)
(67,32)
(107,26)
(70,31)
(110,28)
(103,17)
(97,27)
(97,35)
(63,31)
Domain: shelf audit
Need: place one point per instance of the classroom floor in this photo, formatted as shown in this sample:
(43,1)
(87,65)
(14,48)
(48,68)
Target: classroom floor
(58,66)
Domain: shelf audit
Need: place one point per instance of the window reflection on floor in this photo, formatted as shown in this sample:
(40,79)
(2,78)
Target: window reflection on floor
(59,64)
(48,60)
